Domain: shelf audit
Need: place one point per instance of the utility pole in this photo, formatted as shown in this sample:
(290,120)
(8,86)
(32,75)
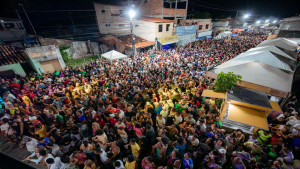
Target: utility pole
(28,18)
(18,14)
(72,22)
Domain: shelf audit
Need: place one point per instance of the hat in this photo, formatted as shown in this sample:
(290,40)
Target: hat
(112,115)
(294,112)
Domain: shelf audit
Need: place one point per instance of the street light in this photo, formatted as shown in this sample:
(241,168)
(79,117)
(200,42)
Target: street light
(274,21)
(267,21)
(1,20)
(258,22)
(132,14)
(246,16)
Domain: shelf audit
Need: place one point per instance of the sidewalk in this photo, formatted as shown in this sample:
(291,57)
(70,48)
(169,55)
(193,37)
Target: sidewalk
(14,151)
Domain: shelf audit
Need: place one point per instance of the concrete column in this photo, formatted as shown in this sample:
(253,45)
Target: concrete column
(170,5)
(176,11)
(186,8)
(162,9)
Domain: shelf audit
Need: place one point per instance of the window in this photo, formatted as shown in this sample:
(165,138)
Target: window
(107,25)
(160,28)
(168,27)
(103,11)
(137,26)
(121,12)
(121,25)
(206,26)
(9,25)
(115,14)
(200,27)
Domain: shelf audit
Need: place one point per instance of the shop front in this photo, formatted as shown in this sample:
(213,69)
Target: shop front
(167,42)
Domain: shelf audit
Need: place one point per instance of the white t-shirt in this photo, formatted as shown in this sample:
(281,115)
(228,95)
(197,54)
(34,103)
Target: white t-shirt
(103,156)
(31,145)
(4,127)
(57,164)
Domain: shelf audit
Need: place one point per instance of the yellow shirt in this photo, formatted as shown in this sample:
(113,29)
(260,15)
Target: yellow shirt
(135,149)
(42,132)
(129,165)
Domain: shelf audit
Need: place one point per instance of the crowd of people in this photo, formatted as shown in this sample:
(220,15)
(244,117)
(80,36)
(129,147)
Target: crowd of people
(146,112)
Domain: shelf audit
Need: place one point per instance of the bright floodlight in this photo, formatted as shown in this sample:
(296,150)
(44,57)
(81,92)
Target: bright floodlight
(1,20)
(131,13)
(274,21)
(267,20)
(258,22)
(246,16)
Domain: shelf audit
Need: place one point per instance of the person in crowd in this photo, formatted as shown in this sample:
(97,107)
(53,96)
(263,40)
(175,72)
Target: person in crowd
(143,112)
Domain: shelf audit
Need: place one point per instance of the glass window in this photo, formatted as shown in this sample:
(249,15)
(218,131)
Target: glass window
(137,26)
(200,27)
(107,25)
(103,11)
(168,27)
(206,26)
(121,25)
(160,28)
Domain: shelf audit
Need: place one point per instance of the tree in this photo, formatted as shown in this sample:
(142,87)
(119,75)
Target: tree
(226,81)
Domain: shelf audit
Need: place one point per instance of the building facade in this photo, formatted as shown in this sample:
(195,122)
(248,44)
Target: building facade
(46,59)
(11,29)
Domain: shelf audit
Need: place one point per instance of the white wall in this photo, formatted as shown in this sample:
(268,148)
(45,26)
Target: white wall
(185,39)
(145,30)
(17,68)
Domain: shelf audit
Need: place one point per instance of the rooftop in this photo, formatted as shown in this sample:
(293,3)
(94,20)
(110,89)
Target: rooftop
(156,20)
(8,19)
(10,55)
(249,96)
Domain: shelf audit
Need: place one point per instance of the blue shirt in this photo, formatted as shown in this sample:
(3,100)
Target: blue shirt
(44,144)
(188,163)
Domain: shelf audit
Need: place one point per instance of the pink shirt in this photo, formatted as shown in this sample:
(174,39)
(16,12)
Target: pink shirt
(138,131)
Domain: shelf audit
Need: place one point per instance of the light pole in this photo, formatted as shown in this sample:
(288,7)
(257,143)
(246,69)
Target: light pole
(28,18)
(131,16)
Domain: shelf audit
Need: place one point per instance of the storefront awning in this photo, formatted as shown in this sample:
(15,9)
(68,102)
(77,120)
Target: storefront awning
(168,40)
(208,37)
(212,94)
(248,116)
(141,44)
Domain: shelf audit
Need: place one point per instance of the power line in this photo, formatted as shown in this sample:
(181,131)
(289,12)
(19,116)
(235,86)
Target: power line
(205,6)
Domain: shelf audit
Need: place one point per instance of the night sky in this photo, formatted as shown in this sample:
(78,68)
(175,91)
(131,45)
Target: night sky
(49,15)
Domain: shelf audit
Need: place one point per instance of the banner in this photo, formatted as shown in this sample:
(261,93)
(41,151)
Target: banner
(169,39)
(183,30)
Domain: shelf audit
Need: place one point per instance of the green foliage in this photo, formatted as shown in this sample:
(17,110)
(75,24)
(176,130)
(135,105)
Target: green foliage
(65,54)
(226,81)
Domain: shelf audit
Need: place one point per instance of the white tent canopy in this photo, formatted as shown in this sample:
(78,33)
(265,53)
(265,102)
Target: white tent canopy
(261,74)
(281,43)
(113,55)
(272,49)
(223,35)
(265,57)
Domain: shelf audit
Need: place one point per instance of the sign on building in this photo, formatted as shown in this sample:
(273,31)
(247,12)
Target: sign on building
(183,30)
(167,39)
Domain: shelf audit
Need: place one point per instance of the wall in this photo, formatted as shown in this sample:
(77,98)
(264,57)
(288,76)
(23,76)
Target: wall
(185,39)
(164,33)
(17,32)
(17,68)
(145,30)
(44,53)
(78,49)
(112,20)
